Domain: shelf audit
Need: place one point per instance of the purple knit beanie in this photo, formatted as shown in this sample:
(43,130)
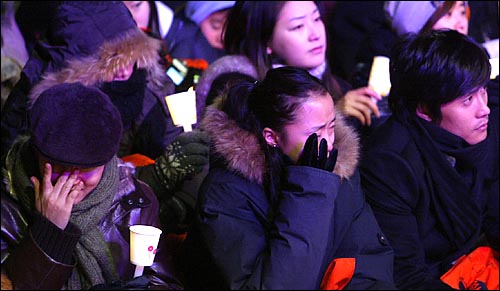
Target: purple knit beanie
(75,125)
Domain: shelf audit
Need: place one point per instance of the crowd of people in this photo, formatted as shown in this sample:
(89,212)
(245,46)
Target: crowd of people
(290,179)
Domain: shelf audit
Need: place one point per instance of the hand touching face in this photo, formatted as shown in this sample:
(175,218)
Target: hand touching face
(61,188)
(317,115)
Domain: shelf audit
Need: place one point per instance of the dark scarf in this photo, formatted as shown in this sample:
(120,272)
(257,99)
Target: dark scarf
(128,96)
(94,261)
(457,186)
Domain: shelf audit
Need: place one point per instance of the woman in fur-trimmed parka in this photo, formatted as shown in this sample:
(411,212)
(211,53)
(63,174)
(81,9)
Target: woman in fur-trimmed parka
(273,216)
(98,43)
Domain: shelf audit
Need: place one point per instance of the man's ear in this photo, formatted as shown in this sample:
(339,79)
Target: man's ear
(422,113)
(270,136)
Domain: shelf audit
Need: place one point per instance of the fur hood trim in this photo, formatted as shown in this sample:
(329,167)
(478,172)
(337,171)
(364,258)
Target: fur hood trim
(243,154)
(134,46)
(225,64)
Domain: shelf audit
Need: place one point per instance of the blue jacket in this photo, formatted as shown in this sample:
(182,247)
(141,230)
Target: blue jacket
(240,241)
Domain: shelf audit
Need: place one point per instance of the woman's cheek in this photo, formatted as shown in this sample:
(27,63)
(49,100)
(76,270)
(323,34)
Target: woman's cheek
(295,152)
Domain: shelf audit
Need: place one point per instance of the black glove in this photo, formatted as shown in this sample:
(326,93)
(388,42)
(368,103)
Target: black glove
(310,156)
(175,214)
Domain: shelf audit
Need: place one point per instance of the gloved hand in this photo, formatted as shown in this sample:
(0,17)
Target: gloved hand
(186,157)
(175,214)
(183,158)
(312,158)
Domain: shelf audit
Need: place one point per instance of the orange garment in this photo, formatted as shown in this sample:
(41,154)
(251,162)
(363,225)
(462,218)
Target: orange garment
(338,274)
(138,160)
(474,271)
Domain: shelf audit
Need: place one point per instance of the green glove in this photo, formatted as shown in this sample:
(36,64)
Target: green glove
(181,160)
(184,158)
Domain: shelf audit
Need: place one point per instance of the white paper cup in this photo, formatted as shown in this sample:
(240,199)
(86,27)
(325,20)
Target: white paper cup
(182,107)
(143,243)
(379,79)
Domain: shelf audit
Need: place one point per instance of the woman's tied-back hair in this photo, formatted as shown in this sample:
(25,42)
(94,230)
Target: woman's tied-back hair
(435,68)
(273,103)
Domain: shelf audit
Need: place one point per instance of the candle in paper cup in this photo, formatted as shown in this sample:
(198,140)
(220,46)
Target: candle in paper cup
(494,68)
(379,79)
(143,243)
(182,107)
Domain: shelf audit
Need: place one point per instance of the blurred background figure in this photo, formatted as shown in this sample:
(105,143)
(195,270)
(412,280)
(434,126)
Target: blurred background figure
(210,18)
(152,17)
(14,52)
(192,35)
(423,16)
(33,18)
(360,30)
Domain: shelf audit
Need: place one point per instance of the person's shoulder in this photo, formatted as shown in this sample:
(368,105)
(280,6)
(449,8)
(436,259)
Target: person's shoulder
(392,135)
(228,187)
(165,16)
(131,186)
(226,64)
(182,24)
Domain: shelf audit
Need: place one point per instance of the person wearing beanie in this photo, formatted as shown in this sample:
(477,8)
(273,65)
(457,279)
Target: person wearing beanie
(68,200)
(116,56)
